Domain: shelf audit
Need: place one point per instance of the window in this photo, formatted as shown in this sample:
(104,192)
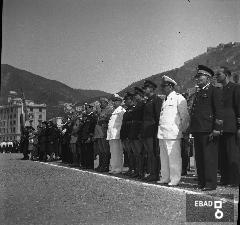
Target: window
(14,130)
(40,109)
(40,117)
(14,122)
(31,109)
(14,116)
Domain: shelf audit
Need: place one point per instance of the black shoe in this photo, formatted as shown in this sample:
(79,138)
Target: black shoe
(25,158)
(184,173)
(134,175)
(223,183)
(98,169)
(200,186)
(103,170)
(151,178)
(208,189)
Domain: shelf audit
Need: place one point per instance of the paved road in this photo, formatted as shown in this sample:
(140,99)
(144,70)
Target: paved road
(52,193)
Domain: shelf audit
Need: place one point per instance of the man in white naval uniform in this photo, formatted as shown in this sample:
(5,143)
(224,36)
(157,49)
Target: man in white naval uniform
(174,120)
(113,135)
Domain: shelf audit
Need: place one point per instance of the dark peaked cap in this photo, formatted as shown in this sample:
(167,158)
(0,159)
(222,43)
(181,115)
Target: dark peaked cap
(204,70)
(138,90)
(116,97)
(149,83)
(128,95)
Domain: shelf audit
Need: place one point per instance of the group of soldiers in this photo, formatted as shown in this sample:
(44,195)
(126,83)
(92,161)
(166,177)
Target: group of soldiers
(152,134)
(43,144)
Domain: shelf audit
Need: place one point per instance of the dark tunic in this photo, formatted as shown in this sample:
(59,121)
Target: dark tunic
(136,123)
(229,154)
(206,115)
(150,119)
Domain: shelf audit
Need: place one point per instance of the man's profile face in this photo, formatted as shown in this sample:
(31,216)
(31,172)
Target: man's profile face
(148,90)
(202,80)
(128,102)
(220,76)
(103,104)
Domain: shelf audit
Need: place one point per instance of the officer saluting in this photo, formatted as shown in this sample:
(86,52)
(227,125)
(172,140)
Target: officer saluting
(206,126)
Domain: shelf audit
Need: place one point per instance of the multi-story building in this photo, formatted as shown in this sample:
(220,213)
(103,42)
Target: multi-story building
(10,118)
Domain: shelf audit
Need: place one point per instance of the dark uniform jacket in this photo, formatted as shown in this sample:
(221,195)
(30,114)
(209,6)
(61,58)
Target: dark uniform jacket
(151,113)
(207,110)
(231,99)
(87,129)
(136,123)
(53,135)
(42,140)
(126,122)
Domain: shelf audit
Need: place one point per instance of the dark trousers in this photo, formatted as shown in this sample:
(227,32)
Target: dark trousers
(229,159)
(25,149)
(152,149)
(185,156)
(206,154)
(87,155)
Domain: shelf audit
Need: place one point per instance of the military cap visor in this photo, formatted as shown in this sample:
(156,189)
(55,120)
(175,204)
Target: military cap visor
(205,71)
(103,100)
(89,105)
(128,95)
(138,90)
(148,83)
(167,81)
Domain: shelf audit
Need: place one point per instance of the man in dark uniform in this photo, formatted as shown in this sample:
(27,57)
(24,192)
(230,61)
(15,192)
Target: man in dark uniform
(151,113)
(25,143)
(65,142)
(53,140)
(206,126)
(124,132)
(87,138)
(229,154)
(42,142)
(134,132)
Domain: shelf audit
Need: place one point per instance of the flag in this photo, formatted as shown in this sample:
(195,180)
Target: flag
(24,113)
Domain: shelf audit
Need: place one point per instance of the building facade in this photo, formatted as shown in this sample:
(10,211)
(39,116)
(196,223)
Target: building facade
(10,118)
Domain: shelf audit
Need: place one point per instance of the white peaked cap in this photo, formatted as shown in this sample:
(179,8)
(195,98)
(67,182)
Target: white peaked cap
(169,80)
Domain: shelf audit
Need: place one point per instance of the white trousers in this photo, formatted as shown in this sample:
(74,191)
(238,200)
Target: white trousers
(116,150)
(171,160)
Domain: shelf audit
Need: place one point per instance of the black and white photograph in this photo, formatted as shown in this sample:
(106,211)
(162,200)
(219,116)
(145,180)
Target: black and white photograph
(120,112)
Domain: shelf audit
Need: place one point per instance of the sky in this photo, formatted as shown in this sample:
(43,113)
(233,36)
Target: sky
(108,44)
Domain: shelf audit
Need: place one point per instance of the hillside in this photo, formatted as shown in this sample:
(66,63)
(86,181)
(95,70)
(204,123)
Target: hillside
(43,90)
(224,54)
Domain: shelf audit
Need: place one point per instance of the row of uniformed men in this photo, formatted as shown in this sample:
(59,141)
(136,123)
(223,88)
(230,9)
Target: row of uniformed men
(153,127)
(147,126)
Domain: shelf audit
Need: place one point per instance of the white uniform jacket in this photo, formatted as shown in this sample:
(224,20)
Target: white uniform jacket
(115,123)
(174,117)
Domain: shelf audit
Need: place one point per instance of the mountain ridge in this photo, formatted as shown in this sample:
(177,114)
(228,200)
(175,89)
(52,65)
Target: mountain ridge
(221,55)
(43,90)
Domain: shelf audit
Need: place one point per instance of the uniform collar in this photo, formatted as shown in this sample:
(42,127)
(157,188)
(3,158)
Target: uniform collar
(171,94)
